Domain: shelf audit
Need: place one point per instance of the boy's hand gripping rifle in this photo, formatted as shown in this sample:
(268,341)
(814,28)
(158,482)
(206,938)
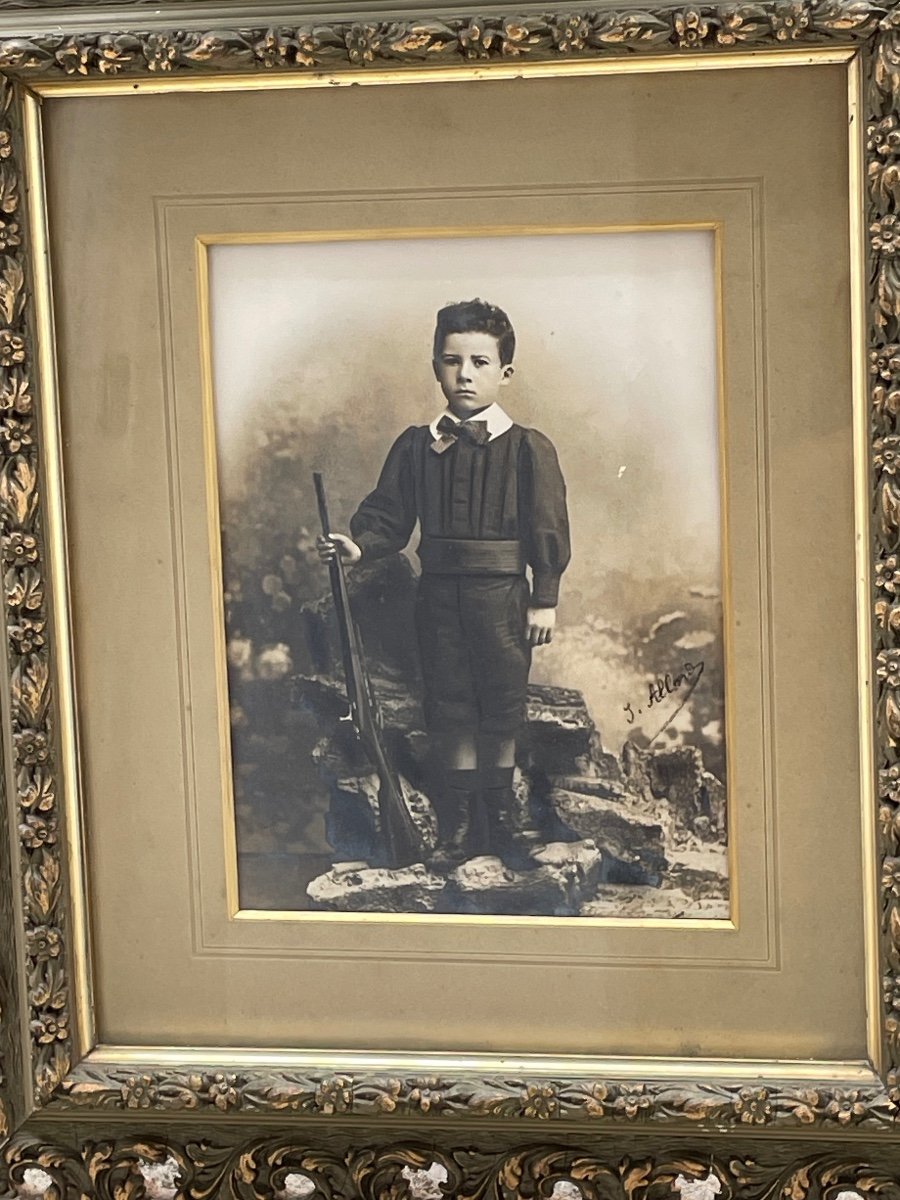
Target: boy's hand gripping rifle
(402,841)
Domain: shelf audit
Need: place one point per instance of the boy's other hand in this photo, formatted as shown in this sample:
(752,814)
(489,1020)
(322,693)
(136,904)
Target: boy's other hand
(328,547)
(539,624)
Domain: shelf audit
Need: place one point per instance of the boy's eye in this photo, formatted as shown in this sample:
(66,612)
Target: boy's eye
(480,362)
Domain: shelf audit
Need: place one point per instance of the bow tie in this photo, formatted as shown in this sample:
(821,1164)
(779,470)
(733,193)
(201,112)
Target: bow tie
(476,433)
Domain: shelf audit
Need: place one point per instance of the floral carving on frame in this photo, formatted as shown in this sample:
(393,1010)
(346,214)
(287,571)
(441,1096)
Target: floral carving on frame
(34,889)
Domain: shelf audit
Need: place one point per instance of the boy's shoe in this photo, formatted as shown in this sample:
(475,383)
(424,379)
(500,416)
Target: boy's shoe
(512,844)
(445,859)
(457,830)
(516,854)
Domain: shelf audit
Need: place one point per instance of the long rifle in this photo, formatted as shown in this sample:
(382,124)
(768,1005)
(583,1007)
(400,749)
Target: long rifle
(402,841)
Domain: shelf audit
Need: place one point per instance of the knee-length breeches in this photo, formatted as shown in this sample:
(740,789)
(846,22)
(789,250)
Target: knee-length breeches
(474,651)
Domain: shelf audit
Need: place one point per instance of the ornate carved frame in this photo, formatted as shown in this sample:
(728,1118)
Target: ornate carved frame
(75,1125)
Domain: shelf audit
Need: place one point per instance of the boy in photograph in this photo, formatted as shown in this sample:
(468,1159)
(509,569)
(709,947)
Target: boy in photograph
(490,501)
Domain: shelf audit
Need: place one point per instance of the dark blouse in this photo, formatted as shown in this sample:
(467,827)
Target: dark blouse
(509,489)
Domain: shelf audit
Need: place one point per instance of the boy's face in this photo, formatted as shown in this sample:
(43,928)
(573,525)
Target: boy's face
(469,372)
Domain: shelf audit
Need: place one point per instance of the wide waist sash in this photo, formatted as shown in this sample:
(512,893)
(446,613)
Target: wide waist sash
(470,556)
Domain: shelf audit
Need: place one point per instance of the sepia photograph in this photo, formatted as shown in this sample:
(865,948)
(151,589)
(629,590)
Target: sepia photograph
(470,498)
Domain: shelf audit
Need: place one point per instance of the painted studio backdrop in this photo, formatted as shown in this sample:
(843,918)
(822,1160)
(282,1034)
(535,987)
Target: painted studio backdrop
(321,358)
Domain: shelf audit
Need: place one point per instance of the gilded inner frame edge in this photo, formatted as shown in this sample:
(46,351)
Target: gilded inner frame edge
(202,244)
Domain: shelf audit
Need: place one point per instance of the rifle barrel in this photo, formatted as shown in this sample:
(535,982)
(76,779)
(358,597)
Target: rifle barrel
(401,837)
(322,503)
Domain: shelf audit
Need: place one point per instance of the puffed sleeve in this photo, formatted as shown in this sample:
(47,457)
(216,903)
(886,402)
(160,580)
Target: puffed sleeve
(384,522)
(546,519)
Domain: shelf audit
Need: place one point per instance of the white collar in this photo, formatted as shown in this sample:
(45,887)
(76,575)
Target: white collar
(493,416)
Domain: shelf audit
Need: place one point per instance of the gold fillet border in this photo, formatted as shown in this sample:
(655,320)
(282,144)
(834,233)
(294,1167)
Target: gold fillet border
(60,609)
(202,244)
(849,1072)
(859,319)
(55,534)
(651,65)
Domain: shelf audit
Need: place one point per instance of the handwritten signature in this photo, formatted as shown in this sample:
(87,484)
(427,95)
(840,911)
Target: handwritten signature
(683,682)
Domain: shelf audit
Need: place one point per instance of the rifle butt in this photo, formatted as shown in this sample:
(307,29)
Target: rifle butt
(402,840)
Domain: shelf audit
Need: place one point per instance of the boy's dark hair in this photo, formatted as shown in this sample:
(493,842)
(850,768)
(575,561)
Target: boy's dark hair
(475,316)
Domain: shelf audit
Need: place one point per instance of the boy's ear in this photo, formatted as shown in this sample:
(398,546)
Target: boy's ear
(434,367)
(508,371)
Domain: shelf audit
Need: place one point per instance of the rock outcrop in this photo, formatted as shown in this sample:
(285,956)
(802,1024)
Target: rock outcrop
(640,834)
(632,843)
(372,889)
